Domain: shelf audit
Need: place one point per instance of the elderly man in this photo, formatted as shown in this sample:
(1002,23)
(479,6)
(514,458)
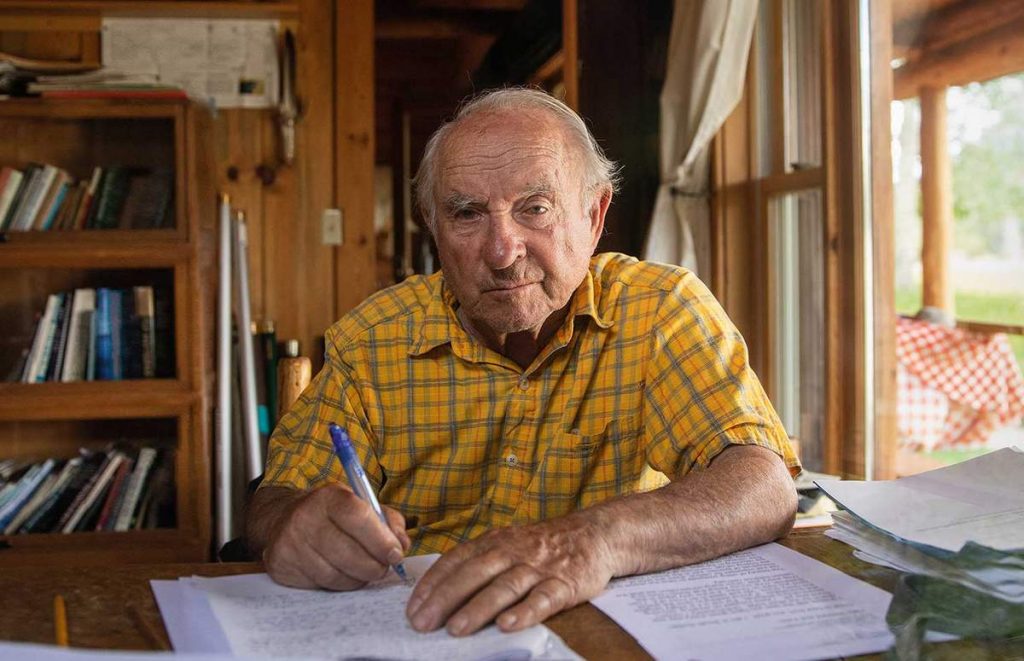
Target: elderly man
(545,418)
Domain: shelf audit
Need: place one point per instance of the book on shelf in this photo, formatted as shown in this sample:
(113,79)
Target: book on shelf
(102,84)
(147,199)
(116,489)
(51,200)
(17,199)
(79,337)
(133,490)
(42,341)
(60,327)
(87,204)
(10,182)
(38,184)
(104,346)
(89,494)
(145,313)
(103,334)
(44,197)
(115,495)
(22,493)
(38,498)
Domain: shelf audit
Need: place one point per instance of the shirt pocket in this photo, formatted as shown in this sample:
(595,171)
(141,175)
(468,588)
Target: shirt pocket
(578,471)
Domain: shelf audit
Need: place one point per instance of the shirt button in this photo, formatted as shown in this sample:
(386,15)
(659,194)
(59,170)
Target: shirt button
(511,460)
(524,384)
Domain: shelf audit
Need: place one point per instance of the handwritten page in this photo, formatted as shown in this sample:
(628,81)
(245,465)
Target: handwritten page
(767,602)
(262,618)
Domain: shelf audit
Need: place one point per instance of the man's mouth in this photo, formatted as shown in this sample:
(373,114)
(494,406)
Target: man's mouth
(510,287)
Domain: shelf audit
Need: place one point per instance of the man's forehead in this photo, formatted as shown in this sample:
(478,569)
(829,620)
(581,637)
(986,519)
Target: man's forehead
(527,151)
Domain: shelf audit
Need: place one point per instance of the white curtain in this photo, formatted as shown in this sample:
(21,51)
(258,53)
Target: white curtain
(707,63)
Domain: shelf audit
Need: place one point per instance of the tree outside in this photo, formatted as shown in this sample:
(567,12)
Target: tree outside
(986,143)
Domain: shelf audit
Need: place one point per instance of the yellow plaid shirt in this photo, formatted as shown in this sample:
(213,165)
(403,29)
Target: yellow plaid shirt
(647,377)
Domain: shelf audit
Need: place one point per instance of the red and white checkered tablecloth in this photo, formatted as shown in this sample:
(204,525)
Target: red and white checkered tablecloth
(955,387)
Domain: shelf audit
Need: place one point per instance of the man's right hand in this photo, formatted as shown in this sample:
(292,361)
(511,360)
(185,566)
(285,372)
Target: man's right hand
(327,538)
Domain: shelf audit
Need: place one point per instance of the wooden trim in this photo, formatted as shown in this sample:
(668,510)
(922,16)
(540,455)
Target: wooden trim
(355,260)
(790,182)
(92,108)
(778,92)
(989,328)
(919,33)
(36,22)
(936,202)
(151,8)
(69,252)
(998,52)
(95,400)
(555,66)
(835,146)
(571,50)
(884,258)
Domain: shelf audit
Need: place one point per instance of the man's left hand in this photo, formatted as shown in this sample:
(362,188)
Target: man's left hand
(518,576)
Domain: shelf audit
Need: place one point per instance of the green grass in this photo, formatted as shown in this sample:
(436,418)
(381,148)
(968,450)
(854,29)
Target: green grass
(973,306)
(950,457)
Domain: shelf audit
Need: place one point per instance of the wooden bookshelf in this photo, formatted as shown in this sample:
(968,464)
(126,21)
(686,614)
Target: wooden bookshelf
(55,419)
(53,10)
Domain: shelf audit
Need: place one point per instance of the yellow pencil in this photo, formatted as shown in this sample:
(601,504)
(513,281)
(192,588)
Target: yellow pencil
(60,621)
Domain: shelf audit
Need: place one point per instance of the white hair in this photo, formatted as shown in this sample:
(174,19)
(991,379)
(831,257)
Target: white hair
(598,171)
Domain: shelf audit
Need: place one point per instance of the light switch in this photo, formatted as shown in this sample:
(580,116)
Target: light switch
(332,227)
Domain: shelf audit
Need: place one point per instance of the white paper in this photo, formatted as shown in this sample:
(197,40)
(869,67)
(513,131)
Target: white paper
(261,618)
(882,549)
(190,623)
(22,651)
(767,602)
(981,500)
(230,63)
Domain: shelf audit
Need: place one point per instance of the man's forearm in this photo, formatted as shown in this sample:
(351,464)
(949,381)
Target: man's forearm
(265,512)
(746,497)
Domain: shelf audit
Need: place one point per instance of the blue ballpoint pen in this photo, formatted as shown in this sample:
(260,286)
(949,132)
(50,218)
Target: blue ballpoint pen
(358,481)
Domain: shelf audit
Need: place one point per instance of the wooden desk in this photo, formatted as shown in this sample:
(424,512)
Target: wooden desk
(113,608)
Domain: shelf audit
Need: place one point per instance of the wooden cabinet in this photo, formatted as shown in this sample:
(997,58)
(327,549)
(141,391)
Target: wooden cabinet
(55,419)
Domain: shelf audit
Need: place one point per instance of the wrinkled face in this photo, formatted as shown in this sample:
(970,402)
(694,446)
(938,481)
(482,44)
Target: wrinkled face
(512,231)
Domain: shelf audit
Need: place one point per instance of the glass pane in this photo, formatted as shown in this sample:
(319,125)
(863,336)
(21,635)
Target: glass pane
(980,136)
(797,282)
(801,29)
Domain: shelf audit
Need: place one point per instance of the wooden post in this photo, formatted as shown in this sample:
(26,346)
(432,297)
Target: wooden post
(937,201)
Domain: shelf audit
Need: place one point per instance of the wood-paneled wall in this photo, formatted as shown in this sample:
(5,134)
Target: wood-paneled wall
(296,281)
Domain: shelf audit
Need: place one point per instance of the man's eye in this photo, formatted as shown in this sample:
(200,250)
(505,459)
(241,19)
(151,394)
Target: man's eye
(465,214)
(537,210)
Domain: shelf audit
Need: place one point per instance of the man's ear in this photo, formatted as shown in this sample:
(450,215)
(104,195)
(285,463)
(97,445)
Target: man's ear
(599,203)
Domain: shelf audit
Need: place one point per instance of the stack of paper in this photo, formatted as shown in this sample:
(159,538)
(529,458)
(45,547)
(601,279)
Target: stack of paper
(919,523)
(768,602)
(251,616)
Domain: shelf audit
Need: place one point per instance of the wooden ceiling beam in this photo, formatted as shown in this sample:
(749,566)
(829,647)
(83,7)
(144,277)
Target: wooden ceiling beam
(430,28)
(996,53)
(917,35)
(472,5)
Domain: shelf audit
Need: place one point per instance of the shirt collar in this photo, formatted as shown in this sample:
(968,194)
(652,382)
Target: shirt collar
(442,325)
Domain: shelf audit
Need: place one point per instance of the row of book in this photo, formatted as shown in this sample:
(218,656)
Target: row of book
(116,489)
(46,197)
(103,334)
(60,79)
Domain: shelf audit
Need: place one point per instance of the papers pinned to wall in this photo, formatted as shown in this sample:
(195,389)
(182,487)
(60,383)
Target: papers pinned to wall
(228,63)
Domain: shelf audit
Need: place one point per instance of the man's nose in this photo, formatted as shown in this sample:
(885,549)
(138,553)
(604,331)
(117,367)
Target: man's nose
(505,244)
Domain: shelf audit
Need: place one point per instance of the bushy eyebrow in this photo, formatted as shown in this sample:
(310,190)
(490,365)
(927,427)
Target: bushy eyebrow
(538,189)
(457,201)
